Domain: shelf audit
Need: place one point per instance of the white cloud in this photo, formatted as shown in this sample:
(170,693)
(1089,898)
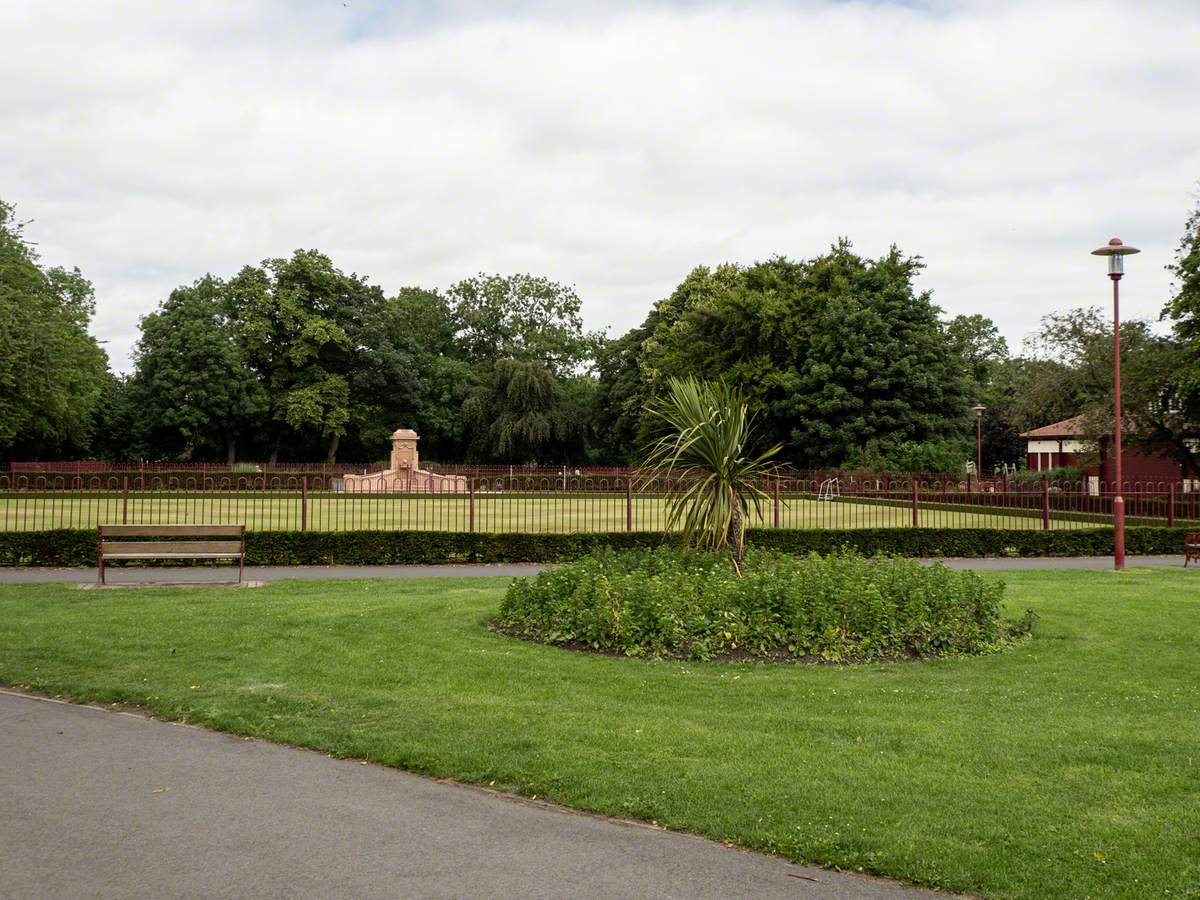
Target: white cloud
(614,147)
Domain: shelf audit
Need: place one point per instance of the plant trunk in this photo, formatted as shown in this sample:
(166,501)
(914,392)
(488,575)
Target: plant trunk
(334,440)
(275,448)
(231,449)
(736,537)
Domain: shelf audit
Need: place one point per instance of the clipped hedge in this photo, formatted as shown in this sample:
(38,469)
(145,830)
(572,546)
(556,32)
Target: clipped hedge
(840,607)
(65,547)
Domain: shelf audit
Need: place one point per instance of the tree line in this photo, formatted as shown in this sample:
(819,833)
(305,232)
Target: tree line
(840,358)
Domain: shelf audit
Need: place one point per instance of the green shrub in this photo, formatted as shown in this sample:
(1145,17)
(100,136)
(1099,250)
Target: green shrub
(839,607)
(77,547)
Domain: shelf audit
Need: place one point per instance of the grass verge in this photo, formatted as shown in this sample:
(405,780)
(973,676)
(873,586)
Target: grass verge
(1066,767)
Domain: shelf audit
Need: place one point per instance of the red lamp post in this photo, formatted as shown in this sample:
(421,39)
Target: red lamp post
(979,408)
(1116,253)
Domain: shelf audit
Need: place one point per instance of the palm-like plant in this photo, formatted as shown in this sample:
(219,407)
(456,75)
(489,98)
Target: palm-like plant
(706,444)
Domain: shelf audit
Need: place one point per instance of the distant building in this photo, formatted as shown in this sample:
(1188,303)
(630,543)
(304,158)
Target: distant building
(1066,443)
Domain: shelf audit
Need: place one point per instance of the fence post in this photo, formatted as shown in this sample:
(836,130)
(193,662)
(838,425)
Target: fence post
(471,483)
(628,503)
(124,499)
(776,502)
(1045,504)
(1171,505)
(303,502)
(916,516)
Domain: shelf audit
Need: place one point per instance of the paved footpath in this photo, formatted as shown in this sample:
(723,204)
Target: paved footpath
(95,803)
(318,573)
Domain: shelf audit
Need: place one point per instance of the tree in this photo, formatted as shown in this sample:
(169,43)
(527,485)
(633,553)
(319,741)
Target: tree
(1183,376)
(293,319)
(192,384)
(522,317)
(52,372)
(708,433)
(878,366)
(521,413)
(621,395)
(412,373)
(977,341)
(832,354)
(1074,352)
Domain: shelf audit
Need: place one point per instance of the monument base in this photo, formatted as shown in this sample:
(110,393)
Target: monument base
(405,481)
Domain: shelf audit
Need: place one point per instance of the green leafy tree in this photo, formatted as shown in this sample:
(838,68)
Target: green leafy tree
(411,374)
(519,412)
(522,317)
(53,373)
(977,341)
(1181,426)
(1075,377)
(293,319)
(192,384)
(877,367)
(832,354)
(706,443)
(621,395)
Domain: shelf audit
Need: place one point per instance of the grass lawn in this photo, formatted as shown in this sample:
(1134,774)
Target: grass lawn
(493,512)
(1067,767)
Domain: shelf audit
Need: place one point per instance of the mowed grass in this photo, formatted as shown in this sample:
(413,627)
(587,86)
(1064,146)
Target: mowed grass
(492,512)
(1068,766)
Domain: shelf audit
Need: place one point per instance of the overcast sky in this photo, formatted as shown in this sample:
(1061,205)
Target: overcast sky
(613,146)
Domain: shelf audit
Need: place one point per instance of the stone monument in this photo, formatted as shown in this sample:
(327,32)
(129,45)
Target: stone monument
(404,473)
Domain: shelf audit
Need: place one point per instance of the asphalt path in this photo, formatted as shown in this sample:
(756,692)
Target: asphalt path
(259,574)
(100,803)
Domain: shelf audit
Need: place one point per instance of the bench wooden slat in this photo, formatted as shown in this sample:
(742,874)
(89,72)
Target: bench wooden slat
(108,556)
(111,549)
(170,530)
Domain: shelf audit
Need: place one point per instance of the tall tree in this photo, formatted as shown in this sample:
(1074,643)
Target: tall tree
(293,319)
(52,371)
(192,384)
(412,374)
(522,317)
(1074,350)
(1183,309)
(519,412)
(834,353)
(977,341)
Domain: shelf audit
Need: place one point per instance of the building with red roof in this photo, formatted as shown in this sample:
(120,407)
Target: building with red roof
(1070,443)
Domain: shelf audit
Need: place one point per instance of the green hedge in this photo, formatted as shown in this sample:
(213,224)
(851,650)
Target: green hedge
(78,547)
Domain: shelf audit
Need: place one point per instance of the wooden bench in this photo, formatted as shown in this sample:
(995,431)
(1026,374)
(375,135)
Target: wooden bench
(232,545)
(1191,547)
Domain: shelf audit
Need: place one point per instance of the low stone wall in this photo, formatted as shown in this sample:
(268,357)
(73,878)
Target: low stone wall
(408,482)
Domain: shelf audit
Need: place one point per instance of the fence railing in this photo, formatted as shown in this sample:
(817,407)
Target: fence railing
(596,503)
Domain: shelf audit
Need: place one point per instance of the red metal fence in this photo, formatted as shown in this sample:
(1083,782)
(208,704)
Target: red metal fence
(571,503)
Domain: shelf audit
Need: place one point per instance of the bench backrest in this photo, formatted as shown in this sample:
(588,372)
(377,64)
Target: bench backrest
(107,531)
(233,545)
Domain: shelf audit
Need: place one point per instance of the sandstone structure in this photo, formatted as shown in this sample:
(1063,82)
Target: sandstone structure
(404,473)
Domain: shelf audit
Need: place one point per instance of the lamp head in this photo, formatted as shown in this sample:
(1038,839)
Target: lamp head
(979,408)
(1116,252)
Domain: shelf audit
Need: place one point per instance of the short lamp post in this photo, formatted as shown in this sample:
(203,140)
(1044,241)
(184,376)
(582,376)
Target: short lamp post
(979,408)
(1116,253)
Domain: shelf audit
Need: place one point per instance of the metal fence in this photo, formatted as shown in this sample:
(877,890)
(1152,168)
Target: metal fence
(593,503)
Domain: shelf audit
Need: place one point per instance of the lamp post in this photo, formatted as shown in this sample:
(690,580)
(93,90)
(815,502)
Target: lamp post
(1116,253)
(979,408)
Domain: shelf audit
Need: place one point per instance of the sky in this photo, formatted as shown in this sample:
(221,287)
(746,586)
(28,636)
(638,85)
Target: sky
(613,146)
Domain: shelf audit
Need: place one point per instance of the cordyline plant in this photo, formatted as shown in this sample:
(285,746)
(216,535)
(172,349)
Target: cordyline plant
(706,446)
